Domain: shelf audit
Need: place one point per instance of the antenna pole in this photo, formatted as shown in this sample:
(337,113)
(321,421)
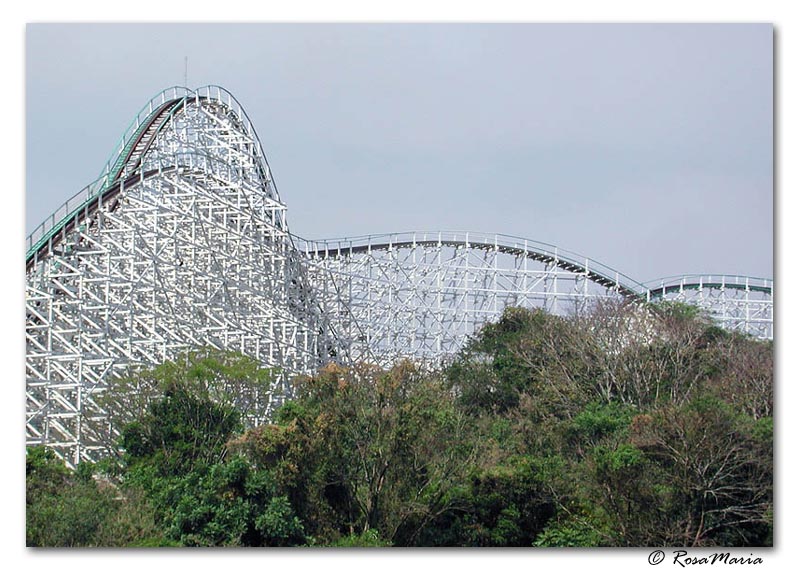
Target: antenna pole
(186,71)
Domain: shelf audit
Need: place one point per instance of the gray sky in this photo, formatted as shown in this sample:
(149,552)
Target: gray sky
(645,147)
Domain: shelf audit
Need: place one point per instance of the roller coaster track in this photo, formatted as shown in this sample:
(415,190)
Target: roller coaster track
(133,146)
(699,282)
(538,251)
(182,243)
(511,245)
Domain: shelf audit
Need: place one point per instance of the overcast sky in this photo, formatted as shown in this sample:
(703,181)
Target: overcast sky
(645,147)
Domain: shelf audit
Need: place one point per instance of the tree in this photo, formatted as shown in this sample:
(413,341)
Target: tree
(178,453)
(719,467)
(651,424)
(72,509)
(226,378)
(180,431)
(364,449)
(742,374)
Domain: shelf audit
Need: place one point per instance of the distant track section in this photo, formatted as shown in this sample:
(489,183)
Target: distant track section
(423,294)
(547,254)
(675,284)
(738,303)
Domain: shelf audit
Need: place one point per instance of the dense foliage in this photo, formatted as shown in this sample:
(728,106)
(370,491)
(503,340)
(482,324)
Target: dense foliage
(624,427)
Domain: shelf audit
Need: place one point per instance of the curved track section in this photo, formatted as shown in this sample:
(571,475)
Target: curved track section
(124,165)
(737,303)
(182,242)
(422,294)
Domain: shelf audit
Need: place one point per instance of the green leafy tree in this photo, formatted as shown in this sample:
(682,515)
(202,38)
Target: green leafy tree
(364,449)
(71,509)
(226,378)
(178,453)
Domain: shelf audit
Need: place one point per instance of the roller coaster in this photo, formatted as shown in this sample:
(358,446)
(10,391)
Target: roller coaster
(182,242)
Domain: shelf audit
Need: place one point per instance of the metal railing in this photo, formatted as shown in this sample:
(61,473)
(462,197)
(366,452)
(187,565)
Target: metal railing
(116,162)
(74,204)
(661,286)
(542,251)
